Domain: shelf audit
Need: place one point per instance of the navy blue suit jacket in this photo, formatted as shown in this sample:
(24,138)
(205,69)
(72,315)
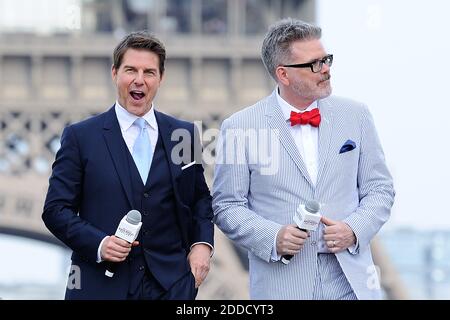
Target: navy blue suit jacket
(90,191)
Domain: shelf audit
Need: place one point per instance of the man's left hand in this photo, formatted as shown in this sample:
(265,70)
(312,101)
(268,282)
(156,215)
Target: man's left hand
(199,259)
(338,235)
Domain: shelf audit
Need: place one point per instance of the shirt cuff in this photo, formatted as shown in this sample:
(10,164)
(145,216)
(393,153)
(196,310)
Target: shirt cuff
(274,255)
(99,251)
(354,249)
(209,245)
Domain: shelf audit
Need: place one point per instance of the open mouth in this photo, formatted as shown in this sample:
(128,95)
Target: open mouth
(137,95)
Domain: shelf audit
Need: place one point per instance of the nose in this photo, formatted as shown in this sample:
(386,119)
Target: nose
(139,79)
(325,68)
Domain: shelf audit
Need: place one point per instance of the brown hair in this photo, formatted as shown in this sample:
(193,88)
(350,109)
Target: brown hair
(140,40)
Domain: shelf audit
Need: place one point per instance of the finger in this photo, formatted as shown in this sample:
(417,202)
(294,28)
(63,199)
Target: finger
(198,280)
(295,242)
(203,271)
(118,249)
(135,244)
(330,230)
(327,221)
(120,242)
(336,249)
(300,234)
(292,252)
(115,258)
(330,244)
(294,247)
(194,271)
(122,258)
(202,274)
(330,236)
(119,255)
(333,250)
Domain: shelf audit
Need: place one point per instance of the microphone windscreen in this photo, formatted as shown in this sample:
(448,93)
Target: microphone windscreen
(134,217)
(312,206)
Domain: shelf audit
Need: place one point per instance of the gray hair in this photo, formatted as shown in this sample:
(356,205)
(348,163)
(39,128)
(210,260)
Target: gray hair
(275,49)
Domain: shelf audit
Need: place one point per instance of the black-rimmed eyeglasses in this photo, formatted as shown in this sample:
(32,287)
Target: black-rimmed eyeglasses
(316,65)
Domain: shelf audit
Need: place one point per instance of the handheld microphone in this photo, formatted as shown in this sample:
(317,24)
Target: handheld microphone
(127,230)
(306,218)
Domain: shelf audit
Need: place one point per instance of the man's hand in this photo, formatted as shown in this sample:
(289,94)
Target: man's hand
(290,240)
(115,249)
(199,259)
(338,235)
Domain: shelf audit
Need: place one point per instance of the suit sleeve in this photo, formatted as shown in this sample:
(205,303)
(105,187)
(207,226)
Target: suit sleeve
(62,203)
(202,215)
(376,191)
(230,197)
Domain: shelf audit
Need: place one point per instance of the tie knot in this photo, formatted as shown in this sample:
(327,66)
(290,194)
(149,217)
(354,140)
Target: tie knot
(308,117)
(140,122)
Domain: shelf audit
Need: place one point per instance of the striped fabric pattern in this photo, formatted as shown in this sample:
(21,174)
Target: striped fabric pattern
(252,200)
(330,282)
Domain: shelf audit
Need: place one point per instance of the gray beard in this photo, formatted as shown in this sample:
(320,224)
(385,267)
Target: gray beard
(318,93)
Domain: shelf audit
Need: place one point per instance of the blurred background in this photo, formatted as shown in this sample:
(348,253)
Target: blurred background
(55,59)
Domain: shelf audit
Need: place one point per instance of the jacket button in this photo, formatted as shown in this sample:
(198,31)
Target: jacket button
(146,195)
(145,213)
(141,268)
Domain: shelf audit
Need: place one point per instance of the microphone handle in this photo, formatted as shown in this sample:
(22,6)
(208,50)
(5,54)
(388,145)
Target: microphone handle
(110,269)
(287,258)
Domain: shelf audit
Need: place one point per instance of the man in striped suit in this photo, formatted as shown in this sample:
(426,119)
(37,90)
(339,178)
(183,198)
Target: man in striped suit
(301,144)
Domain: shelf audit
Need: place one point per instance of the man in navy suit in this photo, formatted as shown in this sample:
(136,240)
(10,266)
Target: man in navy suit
(97,179)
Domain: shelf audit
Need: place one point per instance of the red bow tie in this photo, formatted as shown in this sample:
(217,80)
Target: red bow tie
(308,117)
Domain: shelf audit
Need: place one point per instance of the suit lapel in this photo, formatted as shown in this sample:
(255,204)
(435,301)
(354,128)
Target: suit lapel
(165,130)
(118,151)
(325,134)
(277,122)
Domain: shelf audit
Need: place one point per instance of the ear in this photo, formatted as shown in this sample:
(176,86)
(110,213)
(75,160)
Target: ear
(282,75)
(113,73)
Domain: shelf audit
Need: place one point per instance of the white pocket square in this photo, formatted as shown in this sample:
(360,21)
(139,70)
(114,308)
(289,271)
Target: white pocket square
(188,165)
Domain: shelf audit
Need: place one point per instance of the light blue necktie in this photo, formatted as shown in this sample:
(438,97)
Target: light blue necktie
(142,151)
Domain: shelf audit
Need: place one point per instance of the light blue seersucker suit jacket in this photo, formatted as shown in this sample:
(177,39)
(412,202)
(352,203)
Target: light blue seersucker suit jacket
(254,195)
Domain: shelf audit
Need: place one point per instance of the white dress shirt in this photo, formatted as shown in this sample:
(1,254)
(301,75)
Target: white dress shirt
(130,131)
(305,136)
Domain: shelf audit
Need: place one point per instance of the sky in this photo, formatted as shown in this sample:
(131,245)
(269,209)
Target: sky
(32,269)
(42,16)
(391,55)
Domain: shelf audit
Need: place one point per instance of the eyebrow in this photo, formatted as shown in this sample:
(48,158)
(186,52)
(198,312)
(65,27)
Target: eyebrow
(134,68)
(315,60)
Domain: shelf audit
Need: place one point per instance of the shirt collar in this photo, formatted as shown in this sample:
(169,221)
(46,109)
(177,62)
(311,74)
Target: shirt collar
(126,119)
(287,108)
